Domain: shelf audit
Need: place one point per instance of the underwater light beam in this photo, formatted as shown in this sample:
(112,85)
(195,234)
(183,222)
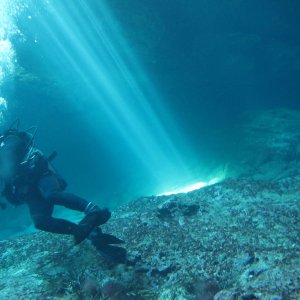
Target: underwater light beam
(95,89)
(101,78)
(122,67)
(93,49)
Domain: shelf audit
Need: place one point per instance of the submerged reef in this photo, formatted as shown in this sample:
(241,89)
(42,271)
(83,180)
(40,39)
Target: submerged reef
(267,144)
(235,240)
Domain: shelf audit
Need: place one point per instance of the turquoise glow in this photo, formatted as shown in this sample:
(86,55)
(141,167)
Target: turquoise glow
(101,59)
(84,42)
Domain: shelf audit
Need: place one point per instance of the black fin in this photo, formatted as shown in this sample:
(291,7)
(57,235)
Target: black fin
(82,232)
(89,223)
(114,254)
(105,239)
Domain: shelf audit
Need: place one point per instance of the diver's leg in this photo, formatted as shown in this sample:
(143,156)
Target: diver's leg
(77,203)
(55,225)
(41,214)
(68,200)
(94,215)
(50,190)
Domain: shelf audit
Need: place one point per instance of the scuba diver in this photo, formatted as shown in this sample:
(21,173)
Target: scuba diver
(29,178)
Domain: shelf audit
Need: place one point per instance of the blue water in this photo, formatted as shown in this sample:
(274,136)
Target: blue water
(140,97)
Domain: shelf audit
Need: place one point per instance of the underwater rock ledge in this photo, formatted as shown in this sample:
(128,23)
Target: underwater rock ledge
(236,240)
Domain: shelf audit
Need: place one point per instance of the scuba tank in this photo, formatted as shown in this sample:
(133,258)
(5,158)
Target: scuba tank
(15,145)
(22,164)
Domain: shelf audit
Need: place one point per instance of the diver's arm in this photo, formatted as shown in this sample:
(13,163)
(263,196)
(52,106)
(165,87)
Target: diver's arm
(9,195)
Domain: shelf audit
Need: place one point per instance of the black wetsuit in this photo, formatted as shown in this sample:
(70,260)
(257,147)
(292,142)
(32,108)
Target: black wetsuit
(30,179)
(40,188)
(41,200)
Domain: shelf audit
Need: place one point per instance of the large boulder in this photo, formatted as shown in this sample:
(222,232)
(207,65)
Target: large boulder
(238,239)
(268,144)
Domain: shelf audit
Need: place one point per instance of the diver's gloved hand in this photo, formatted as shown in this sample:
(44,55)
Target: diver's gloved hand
(10,195)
